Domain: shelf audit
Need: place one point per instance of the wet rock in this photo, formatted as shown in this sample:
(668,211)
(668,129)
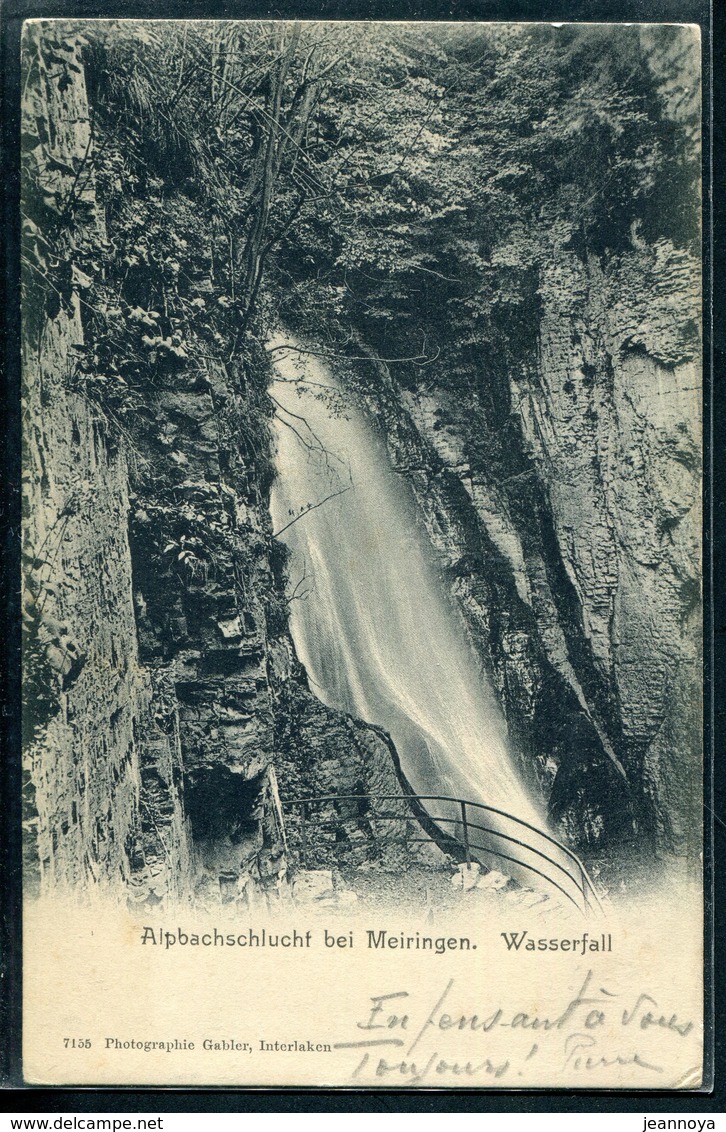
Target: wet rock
(231,630)
(313,884)
(493,881)
(466,876)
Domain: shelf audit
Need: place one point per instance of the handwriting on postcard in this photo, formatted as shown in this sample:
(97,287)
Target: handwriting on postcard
(401,1038)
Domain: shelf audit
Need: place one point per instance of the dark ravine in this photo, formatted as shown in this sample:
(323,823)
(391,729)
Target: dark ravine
(162,686)
(168,719)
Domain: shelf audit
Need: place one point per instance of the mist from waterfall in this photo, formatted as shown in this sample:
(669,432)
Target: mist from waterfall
(371,621)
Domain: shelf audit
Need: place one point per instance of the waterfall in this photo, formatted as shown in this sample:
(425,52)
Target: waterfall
(370,617)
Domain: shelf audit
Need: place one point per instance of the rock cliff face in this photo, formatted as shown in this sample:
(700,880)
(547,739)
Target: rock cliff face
(613,423)
(92,746)
(575,560)
(166,712)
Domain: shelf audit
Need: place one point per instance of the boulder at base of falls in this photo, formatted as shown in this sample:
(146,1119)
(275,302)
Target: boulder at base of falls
(313,884)
(466,876)
(494,881)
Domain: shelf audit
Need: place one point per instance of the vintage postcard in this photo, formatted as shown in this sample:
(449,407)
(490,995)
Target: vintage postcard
(362,554)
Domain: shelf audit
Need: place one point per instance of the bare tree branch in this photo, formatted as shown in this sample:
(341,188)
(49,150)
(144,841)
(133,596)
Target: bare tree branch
(312,507)
(318,446)
(299,592)
(416,359)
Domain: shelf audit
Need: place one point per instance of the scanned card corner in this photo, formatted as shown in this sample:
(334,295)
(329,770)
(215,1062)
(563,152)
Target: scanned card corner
(692,1080)
(362,476)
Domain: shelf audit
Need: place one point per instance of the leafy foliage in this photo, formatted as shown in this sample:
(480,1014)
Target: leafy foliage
(460,165)
(397,187)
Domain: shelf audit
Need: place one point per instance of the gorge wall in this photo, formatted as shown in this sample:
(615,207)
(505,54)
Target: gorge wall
(575,561)
(90,739)
(168,721)
(163,698)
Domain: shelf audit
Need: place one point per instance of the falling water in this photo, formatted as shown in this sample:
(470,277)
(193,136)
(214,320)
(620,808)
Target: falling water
(370,618)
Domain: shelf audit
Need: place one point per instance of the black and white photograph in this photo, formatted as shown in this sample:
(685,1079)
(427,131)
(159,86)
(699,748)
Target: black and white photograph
(362,554)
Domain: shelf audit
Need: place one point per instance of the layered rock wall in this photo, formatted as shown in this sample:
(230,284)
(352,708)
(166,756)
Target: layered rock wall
(612,419)
(576,566)
(167,717)
(91,743)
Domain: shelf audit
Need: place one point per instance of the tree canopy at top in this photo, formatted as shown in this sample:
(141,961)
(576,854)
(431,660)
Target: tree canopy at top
(405,180)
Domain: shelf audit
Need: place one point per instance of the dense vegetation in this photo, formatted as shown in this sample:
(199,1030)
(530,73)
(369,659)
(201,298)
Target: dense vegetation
(399,184)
